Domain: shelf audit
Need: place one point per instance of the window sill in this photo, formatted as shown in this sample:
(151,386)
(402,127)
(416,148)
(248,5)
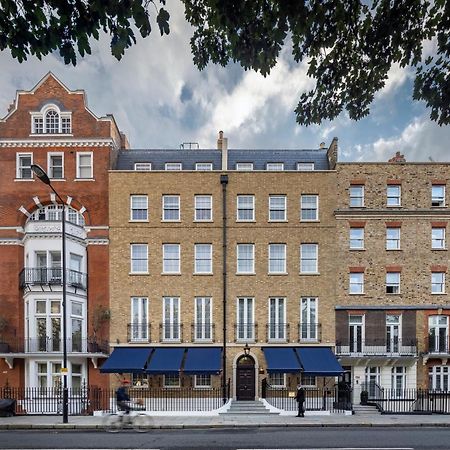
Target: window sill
(438,293)
(53,180)
(394,206)
(171,274)
(84,179)
(394,250)
(245,273)
(357,207)
(392,293)
(24,179)
(309,274)
(137,221)
(203,221)
(438,206)
(245,221)
(277,221)
(309,221)
(357,249)
(201,274)
(439,249)
(138,273)
(44,135)
(171,221)
(277,273)
(356,293)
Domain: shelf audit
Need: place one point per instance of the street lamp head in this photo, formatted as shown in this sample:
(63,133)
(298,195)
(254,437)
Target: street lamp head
(40,173)
(246,349)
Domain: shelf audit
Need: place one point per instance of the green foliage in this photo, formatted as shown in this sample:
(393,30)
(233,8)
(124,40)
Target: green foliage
(39,27)
(349,46)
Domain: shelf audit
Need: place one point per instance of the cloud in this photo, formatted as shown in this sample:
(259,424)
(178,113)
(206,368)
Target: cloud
(397,76)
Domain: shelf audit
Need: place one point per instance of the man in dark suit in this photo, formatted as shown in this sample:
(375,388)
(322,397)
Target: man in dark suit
(300,397)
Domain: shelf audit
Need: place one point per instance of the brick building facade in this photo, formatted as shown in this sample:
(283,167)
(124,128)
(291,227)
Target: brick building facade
(52,126)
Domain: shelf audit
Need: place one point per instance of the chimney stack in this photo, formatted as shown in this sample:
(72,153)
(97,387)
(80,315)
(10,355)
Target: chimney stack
(222,144)
(398,158)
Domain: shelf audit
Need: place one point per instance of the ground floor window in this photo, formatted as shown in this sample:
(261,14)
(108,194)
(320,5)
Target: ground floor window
(438,377)
(277,380)
(48,375)
(308,380)
(372,376)
(172,380)
(202,381)
(398,380)
(139,380)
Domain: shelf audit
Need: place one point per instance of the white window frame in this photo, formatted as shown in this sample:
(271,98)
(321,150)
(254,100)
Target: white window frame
(273,259)
(275,166)
(398,373)
(19,167)
(393,283)
(244,166)
(134,210)
(173,166)
(241,209)
(277,325)
(204,166)
(41,116)
(198,210)
(276,379)
(393,195)
(239,258)
(439,378)
(198,261)
(438,200)
(165,208)
(133,259)
(305,166)
(304,259)
(438,283)
(438,240)
(275,208)
(309,329)
(172,319)
(139,305)
(91,166)
(356,242)
(304,211)
(393,242)
(356,282)
(356,196)
(201,381)
(247,332)
(203,310)
(169,260)
(50,167)
(143,166)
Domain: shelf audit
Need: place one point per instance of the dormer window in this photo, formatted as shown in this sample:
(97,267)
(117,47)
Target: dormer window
(50,120)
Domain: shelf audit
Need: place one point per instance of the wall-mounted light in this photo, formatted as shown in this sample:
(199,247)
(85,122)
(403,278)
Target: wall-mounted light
(246,349)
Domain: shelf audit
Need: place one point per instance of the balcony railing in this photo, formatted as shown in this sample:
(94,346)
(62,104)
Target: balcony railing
(277,332)
(309,332)
(378,347)
(245,331)
(44,276)
(203,332)
(138,332)
(171,331)
(53,345)
(438,344)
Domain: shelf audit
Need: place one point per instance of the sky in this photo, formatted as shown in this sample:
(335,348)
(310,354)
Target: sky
(160,100)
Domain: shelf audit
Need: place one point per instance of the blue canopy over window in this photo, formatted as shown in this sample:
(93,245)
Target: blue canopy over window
(166,361)
(203,361)
(281,359)
(319,361)
(127,360)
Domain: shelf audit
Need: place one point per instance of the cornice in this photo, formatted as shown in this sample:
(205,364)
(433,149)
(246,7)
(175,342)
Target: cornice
(29,143)
(361,214)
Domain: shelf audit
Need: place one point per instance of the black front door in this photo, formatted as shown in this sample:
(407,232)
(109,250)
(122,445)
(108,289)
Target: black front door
(245,379)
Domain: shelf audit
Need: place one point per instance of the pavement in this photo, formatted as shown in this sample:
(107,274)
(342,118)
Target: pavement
(46,422)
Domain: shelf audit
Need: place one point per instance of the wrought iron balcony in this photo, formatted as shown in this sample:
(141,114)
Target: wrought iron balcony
(438,344)
(53,345)
(309,332)
(170,331)
(245,332)
(203,332)
(277,332)
(44,276)
(138,332)
(377,347)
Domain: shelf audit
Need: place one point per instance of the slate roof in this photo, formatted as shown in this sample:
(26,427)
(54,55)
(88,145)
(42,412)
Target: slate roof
(188,158)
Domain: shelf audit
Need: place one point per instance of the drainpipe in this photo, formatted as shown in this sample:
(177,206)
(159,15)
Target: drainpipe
(224,182)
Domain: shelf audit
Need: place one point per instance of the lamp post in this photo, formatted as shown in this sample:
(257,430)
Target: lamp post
(40,173)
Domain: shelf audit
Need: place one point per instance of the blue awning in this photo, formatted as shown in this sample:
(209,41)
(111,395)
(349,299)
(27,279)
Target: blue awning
(281,359)
(127,360)
(203,361)
(166,360)
(319,361)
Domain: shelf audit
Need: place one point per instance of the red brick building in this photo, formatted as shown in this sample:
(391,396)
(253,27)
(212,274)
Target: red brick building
(52,126)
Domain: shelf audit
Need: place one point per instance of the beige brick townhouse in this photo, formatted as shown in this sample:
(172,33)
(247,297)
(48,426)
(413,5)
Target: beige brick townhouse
(392,306)
(223,244)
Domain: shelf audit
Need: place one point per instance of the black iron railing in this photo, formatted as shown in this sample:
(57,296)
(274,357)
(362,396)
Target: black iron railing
(309,331)
(277,331)
(381,347)
(138,332)
(203,332)
(245,332)
(438,344)
(16,344)
(170,331)
(44,276)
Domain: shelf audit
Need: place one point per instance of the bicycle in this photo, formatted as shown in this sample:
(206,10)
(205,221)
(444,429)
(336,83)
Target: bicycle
(136,419)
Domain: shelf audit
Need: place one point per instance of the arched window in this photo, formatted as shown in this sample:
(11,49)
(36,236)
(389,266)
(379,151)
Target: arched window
(52,122)
(53,213)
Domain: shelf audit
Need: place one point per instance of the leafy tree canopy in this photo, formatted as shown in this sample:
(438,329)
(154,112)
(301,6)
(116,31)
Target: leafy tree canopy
(349,45)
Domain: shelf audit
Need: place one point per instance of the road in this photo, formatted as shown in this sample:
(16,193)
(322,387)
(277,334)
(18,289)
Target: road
(417,438)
